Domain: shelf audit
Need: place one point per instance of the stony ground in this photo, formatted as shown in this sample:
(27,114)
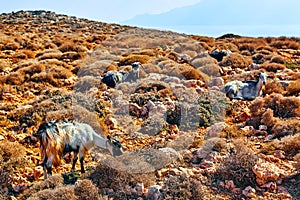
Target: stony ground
(182,137)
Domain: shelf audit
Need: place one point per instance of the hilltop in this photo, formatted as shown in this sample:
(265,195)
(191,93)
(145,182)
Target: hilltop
(182,137)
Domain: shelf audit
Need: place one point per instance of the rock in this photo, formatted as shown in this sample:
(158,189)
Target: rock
(38,171)
(279,154)
(262,128)
(28,94)
(153,193)
(139,188)
(229,184)
(249,192)
(1,137)
(218,81)
(162,172)
(111,122)
(270,186)
(134,109)
(174,172)
(199,90)
(266,171)
(215,130)
(206,164)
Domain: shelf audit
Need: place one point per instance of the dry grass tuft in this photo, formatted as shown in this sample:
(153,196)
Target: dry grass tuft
(272,67)
(293,88)
(236,60)
(238,166)
(128,60)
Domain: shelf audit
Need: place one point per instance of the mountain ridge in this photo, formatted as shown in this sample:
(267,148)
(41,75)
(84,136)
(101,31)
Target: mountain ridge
(250,13)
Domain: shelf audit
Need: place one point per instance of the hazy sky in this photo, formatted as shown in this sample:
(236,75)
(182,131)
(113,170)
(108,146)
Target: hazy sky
(118,11)
(112,11)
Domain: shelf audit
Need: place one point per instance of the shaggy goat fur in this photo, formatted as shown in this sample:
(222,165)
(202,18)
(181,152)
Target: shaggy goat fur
(59,138)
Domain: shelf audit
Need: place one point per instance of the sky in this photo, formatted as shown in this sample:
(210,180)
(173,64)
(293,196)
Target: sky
(119,11)
(111,11)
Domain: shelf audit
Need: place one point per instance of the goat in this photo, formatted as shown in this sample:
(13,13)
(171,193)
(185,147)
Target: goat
(111,78)
(60,138)
(246,90)
(218,55)
(134,74)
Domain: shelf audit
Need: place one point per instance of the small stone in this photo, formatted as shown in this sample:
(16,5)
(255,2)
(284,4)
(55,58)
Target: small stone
(249,192)
(262,128)
(139,188)
(153,193)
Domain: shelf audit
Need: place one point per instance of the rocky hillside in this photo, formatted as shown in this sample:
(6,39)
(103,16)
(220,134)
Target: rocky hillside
(182,137)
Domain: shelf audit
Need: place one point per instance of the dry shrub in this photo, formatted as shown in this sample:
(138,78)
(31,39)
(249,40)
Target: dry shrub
(87,82)
(272,67)
(33,69)
(232,131)
(249,44)
(53,76)
(50,55)
(273,87)
(238,166)
(211,70)
(290,145)
(50,183)
(285,127)
(205,40)
(86,190)
(269,148)
(181,187)
(246,47)
(70,46)
(285,44)
(259,58)
(12,155)
(236,60)
(128,60)
(72,55)
(58,193)
(15,78)
(277,59)
(151,68)
(30,46)
(94,69)
(268,118)
(29,53)
(297,160)
(11,46)
(202,61)
(283,107)
(226,45)
(117,180)
(192,73)
(292,65)
(293,88)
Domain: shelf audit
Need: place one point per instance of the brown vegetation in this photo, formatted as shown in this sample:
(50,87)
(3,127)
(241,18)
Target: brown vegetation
(53,72)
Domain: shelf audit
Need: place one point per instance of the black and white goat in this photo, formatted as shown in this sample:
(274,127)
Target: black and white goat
(111,78)
(60,138)
(246,90)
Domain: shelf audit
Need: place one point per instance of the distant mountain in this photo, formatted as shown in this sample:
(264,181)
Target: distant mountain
(225,12)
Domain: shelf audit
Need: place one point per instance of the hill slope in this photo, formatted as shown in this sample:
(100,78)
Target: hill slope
(182,137)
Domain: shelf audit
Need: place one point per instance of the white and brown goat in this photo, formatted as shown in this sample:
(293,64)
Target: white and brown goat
(60,138)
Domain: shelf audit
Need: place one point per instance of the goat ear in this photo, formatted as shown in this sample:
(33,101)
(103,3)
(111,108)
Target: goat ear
(116,137)
(108,137)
